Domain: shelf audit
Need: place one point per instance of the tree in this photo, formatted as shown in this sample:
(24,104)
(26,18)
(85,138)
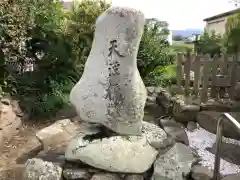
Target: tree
(153,50)
(15,24)
(80,29)
(178,38)
(209,43)
(58,42)
(233,33)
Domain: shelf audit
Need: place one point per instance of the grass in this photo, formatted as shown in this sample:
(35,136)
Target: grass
(182,47)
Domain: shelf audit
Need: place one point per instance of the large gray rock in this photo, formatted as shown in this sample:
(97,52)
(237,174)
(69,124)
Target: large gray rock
(183,112)
(7,114)
(10,123)
(105,176)
(174,130)
(209,119)
(36,169)
(62,131)
(124,154)
(153,110)
(191,126)
(237,91)
(150,90)
(199,172)
(76,174)
(111,91)
(175,164)
(164,99)
(134,177)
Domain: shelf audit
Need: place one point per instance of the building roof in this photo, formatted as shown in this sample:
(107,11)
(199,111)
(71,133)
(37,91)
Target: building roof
(228,13)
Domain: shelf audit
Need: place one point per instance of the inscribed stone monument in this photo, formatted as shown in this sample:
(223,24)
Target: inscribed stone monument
(111,91)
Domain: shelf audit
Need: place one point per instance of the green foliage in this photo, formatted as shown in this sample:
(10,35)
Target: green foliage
(232,38)
(154,51)
(178,38)
(80,28)
(58,43)
(182,48)
(168,75)
(209,43)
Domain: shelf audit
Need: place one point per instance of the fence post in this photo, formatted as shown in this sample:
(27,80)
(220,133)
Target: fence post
(214,67)
(234,74)
(187,69)
(179,72)
(204,92)
(196,75)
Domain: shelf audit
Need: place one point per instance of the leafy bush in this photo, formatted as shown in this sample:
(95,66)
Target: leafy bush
(168,75)
(54,40)
(232,38)
(182,48)
(57,43)
(210,43)
(154,51)
(80,29)
(178,38)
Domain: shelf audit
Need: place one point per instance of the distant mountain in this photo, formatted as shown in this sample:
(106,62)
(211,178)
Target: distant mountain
(186,32)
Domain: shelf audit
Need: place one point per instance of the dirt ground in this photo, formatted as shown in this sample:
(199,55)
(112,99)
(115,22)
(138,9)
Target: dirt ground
(9,153)
(11,148)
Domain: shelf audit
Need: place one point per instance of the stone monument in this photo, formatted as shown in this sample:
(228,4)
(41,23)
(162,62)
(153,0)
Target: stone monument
(110,99)
(111,91)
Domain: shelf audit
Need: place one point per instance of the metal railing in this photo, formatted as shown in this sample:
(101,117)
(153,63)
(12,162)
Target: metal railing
(216,174)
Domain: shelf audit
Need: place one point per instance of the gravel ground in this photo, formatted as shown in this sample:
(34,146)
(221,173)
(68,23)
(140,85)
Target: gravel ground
(203,142)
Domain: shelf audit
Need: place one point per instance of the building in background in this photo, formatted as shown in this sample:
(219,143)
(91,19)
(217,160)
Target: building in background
(170,41)
(68,5)
(217,23)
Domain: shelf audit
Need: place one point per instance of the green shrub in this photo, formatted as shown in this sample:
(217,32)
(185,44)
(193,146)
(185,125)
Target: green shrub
(182,48)
(232,37)
(58,42)
(29,28)
(154,51)
(168,75)
(210,43)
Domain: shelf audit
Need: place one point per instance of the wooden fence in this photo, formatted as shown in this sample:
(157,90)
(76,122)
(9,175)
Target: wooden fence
(204,76)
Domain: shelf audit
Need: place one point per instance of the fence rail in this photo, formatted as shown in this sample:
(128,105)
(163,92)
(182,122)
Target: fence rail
(205,75)
(221,120)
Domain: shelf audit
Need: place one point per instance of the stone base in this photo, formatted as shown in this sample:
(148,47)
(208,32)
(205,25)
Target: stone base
(175,163)
(103,155)
(36,168)
(117,153)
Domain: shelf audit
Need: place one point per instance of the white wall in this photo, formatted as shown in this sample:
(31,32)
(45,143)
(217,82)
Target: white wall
(170,37)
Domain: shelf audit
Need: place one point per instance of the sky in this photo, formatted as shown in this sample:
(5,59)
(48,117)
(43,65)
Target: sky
(180,14)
